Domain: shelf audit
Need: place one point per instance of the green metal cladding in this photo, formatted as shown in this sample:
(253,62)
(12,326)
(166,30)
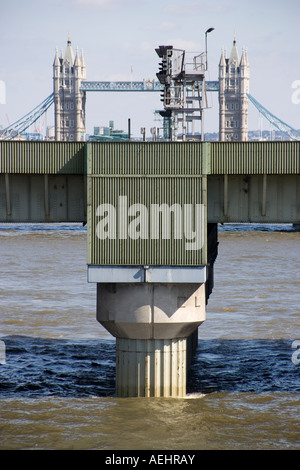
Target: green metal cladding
(254,158)
(146,157)
(167,176)
(139,178)
(32,157)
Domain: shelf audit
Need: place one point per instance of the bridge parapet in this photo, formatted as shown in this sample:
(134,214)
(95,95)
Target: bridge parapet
(254,158)
(42,182)
(255,182)
(30,157)
(246,181)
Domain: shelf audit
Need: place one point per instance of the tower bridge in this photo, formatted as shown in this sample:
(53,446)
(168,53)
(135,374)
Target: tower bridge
(70,87)
(152,209)
(187,86)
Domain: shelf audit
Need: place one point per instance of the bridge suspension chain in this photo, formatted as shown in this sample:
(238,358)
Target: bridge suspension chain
(20,126)
(280,125)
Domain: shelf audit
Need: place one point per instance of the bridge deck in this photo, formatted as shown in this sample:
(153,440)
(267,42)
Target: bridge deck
(246,182)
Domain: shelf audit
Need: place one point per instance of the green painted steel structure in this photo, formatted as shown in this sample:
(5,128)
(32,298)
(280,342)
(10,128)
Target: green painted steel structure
(254,158)
(67,182)
(54,158)
(42,182)
(213,157)
(152,191)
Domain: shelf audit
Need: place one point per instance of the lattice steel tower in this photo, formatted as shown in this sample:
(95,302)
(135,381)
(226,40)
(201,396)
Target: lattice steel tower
(234,75)
(69,100)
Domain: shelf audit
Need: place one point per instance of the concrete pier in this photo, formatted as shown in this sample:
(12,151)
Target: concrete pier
(151,367)
(152,211)
(156,334)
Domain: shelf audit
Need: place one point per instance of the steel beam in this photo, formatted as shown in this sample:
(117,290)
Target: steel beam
(141,86)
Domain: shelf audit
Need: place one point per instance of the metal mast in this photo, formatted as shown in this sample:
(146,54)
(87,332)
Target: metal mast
(184,93)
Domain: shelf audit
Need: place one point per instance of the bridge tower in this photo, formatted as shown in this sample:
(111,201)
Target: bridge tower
(234,75)
(69,100)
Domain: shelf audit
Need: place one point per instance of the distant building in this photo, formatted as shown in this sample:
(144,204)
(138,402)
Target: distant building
(234,75)
(31,136)
(69,101)
(50,133)
(105,134)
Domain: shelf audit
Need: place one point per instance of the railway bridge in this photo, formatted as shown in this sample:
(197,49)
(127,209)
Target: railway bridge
(152,211)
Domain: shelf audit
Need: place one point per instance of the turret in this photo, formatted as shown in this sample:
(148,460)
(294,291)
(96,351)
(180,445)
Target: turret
(56,85)
(56,62)
(244,90)
(56,68)
(83,66)
(222,65)
(68,98)
(77,62)
(233,101)
(234,55)
(77,68)
(222,75)
(244,67)
(69,55)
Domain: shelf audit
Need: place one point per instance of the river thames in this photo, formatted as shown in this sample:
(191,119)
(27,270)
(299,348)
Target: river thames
(57,383)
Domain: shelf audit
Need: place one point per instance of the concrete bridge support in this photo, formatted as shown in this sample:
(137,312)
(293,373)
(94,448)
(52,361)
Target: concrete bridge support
(151,367)
(156,330)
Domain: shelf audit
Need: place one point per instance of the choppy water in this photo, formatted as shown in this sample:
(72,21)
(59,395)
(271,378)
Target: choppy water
(57,385)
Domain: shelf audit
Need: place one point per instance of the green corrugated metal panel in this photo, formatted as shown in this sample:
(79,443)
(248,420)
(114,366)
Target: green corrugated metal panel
(41,157)
(150,158)
(172,158)
(119,177)
(255,158)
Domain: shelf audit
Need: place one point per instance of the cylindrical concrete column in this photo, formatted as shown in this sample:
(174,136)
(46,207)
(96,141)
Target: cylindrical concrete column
(156,330)
(191,347)
(151,368)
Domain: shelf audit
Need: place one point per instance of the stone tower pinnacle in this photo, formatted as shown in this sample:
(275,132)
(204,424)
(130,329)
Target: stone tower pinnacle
(69,100)
(234,78)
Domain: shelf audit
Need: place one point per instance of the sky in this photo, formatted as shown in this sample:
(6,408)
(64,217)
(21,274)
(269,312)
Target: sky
(119,37)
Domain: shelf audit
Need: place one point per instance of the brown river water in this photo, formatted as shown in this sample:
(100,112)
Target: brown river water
(57,383)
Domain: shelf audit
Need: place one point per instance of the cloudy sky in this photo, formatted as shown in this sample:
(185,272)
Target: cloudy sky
(119,38)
